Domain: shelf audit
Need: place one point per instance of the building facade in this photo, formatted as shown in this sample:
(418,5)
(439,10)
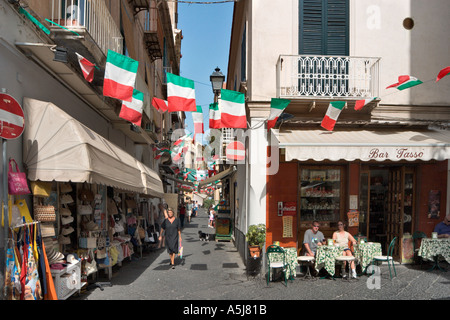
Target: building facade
(385,162)
(39,43)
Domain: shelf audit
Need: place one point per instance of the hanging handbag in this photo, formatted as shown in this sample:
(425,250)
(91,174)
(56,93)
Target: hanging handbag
(47,230)
(41,188)
(44,213)
(17,181)
(65,187)
(84,209)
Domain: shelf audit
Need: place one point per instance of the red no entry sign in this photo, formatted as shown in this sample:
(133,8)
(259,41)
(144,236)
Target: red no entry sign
(235,151)
(12,120)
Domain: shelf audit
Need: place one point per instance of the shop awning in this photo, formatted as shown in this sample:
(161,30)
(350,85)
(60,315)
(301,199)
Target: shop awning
(184,182)
(58,147)
(365,145)
(219,176)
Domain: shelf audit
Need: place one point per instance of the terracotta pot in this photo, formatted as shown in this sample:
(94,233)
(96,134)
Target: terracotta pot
(255,251)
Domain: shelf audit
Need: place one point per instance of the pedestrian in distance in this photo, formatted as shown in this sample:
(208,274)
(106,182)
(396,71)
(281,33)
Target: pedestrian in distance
(182,211)
(171,230)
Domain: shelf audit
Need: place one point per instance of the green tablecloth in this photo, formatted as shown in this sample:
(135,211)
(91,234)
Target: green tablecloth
(326,258)
(430,248)
(291,260)
(365,252)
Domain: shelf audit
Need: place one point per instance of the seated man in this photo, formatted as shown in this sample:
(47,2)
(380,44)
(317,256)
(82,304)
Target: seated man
(443,228)
(313,238)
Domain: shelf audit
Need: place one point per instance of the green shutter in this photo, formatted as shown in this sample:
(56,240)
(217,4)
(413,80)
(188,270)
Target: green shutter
(323,27)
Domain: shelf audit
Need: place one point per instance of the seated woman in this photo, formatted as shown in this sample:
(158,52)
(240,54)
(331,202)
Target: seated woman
(342,238)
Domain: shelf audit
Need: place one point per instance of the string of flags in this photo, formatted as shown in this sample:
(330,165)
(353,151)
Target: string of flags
(228,112)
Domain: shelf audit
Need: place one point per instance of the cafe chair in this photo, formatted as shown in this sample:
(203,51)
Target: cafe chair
(280,263)
(389,259)
(308,261)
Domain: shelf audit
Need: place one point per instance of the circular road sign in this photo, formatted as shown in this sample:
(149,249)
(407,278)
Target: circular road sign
(12,121)
(235,151)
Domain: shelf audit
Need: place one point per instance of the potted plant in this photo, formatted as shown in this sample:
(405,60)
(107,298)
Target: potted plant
(256,237)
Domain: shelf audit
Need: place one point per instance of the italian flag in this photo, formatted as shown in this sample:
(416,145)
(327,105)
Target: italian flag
(160,152)
(197,117)
(232,109)
(120,76)
(180,93)
(87,67)
(160,104)
(277,107)
(334,109)
(214,116)
(359,104)
(132,111)
(405,82)
(443,73)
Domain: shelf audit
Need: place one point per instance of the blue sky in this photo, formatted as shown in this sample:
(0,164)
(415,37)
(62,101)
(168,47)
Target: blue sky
(206,30)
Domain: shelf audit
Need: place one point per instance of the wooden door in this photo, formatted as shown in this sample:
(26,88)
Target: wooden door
(395,209)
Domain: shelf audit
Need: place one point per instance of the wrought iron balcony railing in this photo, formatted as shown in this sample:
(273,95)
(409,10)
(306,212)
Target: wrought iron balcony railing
(91,16)
(300,76)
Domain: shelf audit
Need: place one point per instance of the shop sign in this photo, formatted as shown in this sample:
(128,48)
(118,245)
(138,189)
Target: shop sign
(290,208)
(12,121)
(396,154)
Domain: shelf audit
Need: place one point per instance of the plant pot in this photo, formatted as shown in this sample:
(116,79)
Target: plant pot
(255,251)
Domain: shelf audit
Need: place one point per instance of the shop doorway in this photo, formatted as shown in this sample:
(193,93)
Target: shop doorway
(387,205)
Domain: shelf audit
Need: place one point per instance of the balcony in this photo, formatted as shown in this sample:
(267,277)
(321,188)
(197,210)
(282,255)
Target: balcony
(88,20)
(153,37)
(327,77)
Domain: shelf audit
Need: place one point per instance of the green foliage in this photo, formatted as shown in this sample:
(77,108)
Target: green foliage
(256,235)
(208,202)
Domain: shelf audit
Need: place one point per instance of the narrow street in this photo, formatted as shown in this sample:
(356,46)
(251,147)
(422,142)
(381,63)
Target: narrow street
(215,271)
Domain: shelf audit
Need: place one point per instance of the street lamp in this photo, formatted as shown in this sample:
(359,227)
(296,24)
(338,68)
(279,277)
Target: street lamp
(217,79)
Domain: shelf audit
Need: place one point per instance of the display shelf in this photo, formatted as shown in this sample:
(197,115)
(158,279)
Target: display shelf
(67,281)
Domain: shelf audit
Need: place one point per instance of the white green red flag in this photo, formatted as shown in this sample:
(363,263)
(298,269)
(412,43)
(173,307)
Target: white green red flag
(87,67)
(232,109)
(120,76)
(197,118)
(160,152)
(405,82)
(160,104)
(180,93)
(277,107)
(132,111)
(443,73)
(214,116)
(359,104)
(333,112)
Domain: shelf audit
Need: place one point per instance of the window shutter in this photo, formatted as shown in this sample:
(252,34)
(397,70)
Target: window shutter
(323,27)
(311,27)
(337,28)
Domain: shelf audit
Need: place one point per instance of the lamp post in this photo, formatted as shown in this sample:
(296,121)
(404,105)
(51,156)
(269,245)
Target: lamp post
(217,79)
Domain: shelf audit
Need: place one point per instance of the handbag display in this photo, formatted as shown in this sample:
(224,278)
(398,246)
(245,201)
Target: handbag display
(87,243)
(41,188)
(65,187)
(66,199)
(44,213)
(17,181)
(84,209)
(47,230)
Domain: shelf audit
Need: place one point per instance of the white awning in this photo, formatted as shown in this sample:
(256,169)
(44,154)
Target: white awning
(58,147)
(365,145)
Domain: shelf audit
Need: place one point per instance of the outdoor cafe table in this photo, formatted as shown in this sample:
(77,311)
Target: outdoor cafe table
(326,258)
(291,260)
(364,253)
(431,249)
